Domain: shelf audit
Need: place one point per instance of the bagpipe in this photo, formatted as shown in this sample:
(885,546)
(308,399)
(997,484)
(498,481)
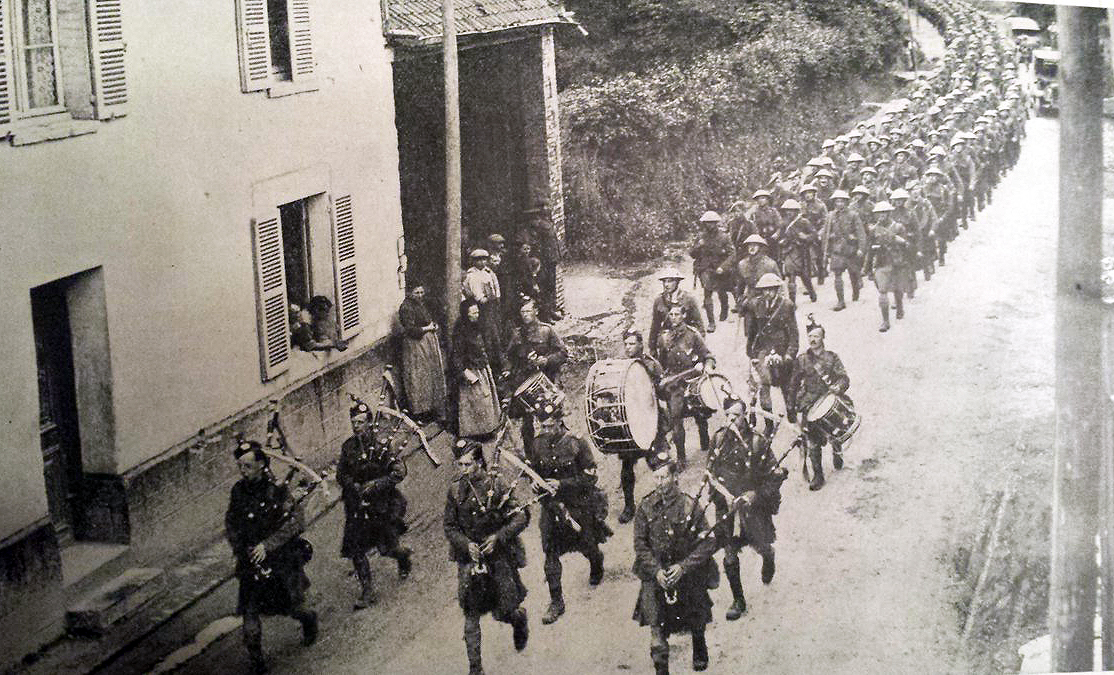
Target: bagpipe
(301,480)
(396,441)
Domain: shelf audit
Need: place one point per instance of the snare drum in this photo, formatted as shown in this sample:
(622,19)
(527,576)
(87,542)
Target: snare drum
(707,394)
(620,406)
(835,416)
(536,391)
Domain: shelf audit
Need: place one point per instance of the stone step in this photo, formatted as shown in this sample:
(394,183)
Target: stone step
(114,601)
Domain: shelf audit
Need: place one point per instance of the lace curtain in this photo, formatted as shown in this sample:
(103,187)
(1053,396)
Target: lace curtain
(41,71)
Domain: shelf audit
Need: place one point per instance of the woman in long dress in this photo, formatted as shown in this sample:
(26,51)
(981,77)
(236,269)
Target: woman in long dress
(423,370)
(478,412)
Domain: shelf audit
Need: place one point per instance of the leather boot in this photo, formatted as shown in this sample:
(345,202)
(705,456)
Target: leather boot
(768,567)
(856,286)
(402,555)
(521,629)
(253,640)
(627,514)
(699,651)
(899,305)
(368,596)
(661,668)
(840,304)
(472,644)
(837,456)
(815,459)
(556,602)
(739,603)
(595,567)
(885,320)
(308,620)
(710,311)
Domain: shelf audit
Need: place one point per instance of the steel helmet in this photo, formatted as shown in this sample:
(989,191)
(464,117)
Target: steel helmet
(760,193)
(882,207)
(791,204)
(755,239)
(840,194)
(807,187)
(861,190)
(899,193)
(670,273)
(855,157)
(710,217)
(769,280)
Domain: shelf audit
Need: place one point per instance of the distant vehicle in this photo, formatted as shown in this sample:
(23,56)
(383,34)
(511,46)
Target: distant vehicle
(1026,34)
(1046,71)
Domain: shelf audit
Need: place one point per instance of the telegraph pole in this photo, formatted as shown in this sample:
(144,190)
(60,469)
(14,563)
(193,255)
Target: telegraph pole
(452,163)
(1080,400)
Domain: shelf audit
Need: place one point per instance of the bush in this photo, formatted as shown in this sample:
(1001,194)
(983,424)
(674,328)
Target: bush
(646,150)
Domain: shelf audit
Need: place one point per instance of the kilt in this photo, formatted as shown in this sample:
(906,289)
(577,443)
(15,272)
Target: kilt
(376,525)
(500,591)
(692,611)
(558,537)
(278,593)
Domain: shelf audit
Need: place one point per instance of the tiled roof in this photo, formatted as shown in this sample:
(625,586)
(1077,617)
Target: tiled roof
(423,17)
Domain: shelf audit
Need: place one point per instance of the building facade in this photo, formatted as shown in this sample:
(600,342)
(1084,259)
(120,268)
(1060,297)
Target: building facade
(175,175)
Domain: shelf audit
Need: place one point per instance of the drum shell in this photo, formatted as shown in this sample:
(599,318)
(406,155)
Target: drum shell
(534,392)
(620,407)
(835,416)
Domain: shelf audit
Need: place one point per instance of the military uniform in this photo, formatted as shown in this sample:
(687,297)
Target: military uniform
(844,238)
(259,511)
(568,459)
(816,213)
(668,532)
(374,510)
(749,270)
(540,339)
(796,244)
(767,223)
(814,376)
(475,508)
(771,329)
(658,313)
(742,462)
(712,255)
(679,349)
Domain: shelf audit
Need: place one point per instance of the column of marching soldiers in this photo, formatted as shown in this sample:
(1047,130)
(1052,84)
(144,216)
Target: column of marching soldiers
(881,202)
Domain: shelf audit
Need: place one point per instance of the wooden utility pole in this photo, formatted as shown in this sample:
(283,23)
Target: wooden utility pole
(1076,490)
(452,163)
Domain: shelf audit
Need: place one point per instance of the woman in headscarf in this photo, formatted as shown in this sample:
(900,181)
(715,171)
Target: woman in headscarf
(423,370)
(478,411)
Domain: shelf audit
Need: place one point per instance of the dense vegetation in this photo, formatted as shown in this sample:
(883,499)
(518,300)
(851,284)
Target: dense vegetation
(670,107)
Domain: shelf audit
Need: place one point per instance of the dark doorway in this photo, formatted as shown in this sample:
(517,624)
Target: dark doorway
(58,426)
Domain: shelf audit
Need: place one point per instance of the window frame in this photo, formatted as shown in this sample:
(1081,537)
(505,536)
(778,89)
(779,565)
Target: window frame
(22,109)
(257,71)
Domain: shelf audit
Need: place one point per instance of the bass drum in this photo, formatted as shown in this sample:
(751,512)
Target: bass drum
(620,406)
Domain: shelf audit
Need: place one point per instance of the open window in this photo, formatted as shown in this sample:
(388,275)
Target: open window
(60,61)
(276,46)
(305,251)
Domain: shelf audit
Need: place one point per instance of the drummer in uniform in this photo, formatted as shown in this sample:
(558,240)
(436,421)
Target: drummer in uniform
(741,462)
(634,349)
(534,347)
(573,518)
(675,565)
(681,350)
(770,323)
(672,295)
(817,373)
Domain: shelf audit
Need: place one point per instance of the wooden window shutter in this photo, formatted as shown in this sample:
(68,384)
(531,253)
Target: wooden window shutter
(255,45)
(270,278)
(302,65)
(344,266)
(110,91)
(5,78)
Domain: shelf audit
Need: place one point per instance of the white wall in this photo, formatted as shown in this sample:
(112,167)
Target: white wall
(162,200)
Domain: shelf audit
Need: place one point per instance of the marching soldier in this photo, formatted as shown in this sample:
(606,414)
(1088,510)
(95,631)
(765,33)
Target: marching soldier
(818,371)
(711,264)
(672,296)
(675,565)
(368,473)
(634,349)
(885,260)
(741,462)
(770,322)
(534,347)
(767,222)
(754,264)
(903,169)
(796,248)
(816,213)
(683,355)
(843,241)
(573,518)
(263,525)
(483,521)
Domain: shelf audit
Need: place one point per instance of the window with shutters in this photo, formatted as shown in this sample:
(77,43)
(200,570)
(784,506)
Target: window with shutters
(276,46)
(61,64)
(307,293)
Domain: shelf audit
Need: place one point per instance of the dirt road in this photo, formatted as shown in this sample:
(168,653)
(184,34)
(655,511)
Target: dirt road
(957,403)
